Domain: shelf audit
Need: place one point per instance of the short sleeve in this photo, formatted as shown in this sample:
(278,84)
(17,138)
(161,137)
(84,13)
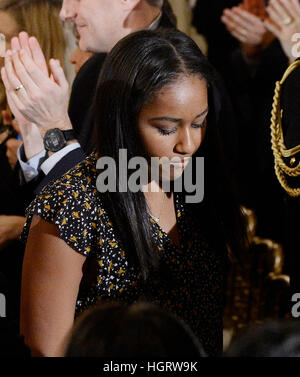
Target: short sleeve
(73,211)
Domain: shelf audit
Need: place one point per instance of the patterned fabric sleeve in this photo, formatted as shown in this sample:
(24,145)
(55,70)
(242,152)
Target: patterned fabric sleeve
(72,209)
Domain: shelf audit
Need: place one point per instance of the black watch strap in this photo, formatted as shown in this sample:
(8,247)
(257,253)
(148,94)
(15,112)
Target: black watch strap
(69,135)
(55,139)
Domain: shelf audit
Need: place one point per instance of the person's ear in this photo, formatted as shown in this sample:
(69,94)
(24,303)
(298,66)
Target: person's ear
(130,4)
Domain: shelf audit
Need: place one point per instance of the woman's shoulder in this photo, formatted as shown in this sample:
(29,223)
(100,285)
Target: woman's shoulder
(73,204)
(80,179)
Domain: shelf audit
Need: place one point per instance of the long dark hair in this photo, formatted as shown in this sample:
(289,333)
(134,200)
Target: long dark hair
(137,67)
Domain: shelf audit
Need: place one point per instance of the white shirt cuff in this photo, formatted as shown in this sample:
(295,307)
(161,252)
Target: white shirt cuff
(30,167)
(49,164)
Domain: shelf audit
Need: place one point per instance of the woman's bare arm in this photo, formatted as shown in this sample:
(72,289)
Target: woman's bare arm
(52,272)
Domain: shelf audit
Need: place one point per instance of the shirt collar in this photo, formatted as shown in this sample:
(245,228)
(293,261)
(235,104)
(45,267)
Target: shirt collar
(155,23)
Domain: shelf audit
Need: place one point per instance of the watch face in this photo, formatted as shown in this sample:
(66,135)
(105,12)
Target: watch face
(54,140)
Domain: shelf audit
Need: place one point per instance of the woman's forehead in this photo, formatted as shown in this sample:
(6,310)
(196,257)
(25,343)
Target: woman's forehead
(184,91)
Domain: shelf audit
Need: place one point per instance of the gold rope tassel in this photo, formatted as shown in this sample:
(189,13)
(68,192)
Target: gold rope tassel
(277,140)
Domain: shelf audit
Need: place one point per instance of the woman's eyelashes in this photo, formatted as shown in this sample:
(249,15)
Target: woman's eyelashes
(164,131)
(199,125)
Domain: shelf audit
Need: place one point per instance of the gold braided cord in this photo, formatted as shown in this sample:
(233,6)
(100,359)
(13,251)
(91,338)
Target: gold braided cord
(290,152)
(277,140)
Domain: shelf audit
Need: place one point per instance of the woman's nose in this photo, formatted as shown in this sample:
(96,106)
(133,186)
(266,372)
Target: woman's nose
(185,143)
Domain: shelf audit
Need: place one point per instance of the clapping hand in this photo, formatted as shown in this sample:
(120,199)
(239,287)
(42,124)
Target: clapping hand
(284,23)
(33,95)
(245,23)
(244,26)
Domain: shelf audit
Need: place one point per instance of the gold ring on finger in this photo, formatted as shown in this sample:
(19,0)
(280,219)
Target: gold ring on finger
(19,87)
(244,32)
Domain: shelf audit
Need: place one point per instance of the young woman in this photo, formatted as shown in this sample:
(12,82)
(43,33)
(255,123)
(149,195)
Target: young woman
(156,97)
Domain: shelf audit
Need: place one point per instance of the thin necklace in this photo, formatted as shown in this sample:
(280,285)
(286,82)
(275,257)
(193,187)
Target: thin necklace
(160,212)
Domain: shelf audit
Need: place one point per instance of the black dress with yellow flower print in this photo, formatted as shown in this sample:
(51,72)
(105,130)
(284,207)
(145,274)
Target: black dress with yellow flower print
(189,283)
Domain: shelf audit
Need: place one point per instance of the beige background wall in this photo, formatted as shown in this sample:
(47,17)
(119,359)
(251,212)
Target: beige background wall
(182,9)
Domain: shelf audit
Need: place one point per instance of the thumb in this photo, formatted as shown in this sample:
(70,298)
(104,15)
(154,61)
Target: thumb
(58,73)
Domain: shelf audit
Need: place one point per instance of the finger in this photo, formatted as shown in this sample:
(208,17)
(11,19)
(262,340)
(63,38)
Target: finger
(38,55)
(37,76)
(10,71)
(286,7)
(233,28)
(5,80)
(248,17)
(22,74)
(239,21)
(280,9)
(227,19)
(12,99)
(15,44)
(294,6)
(228,22)
(272,28)
(24,42)
(239,36)
(12,78)
(274,15)
(58,73)
(239,31)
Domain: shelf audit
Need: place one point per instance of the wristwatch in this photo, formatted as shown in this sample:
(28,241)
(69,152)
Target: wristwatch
(56,139)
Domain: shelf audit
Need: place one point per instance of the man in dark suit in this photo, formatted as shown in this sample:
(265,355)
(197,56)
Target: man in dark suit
(100,25)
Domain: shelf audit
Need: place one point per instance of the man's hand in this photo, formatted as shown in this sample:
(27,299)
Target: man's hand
(40,99)
(10,229)
(244,26)
(284,22)
(33,49)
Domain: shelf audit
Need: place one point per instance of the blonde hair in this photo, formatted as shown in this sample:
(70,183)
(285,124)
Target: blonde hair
(278,146)
(39,18)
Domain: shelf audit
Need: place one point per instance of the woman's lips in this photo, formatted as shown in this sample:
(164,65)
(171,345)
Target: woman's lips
(180,161)
(181,164)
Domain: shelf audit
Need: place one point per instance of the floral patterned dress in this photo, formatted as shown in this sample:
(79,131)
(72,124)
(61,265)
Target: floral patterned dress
(190,281)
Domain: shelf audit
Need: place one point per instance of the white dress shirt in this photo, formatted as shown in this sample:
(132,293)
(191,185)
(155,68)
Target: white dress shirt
(30,167)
